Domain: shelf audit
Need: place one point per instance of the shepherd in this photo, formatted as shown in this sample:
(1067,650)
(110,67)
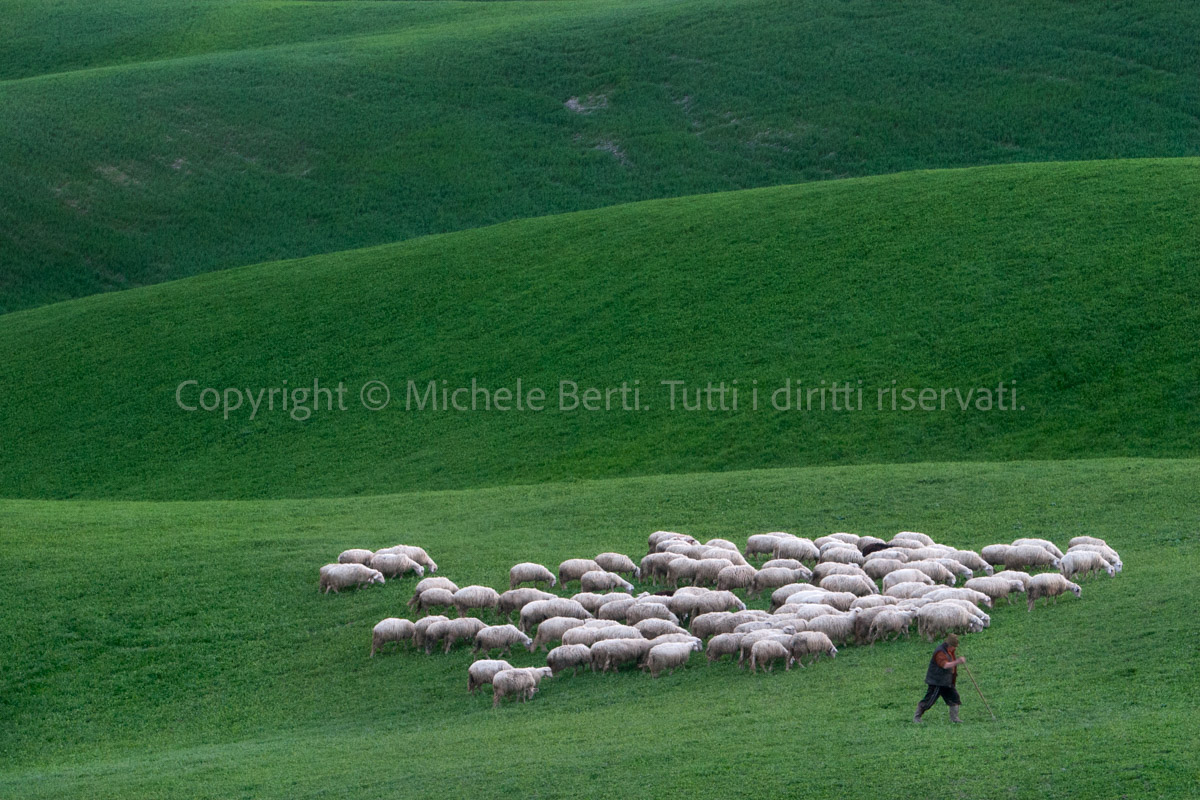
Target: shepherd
(941,677)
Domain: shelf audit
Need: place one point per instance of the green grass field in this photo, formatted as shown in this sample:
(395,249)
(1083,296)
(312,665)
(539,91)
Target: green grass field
(182,649)
(144,140)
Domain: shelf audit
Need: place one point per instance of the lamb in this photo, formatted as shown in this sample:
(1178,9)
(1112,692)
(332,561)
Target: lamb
(500,637)
(612,653)
(669,656)
(522,682)
(736,577)
(1050,584)
(575,568)
(480,597)
(797,548)
(434,598)
(541,610)
(1084,562)
(707,570)
(395,564)
(642,610)
(552,630)
(811,643)
(843,555)
(906,576)
(773,579)
(569,656)
(355,556)
(995,586)
(619,563)
(653,628)
(1029,555)
(1042,543)
(838,627)
(890,621)
(936,620)
(391,629)
(724,644)
(767,652)
(934,570)
(516,599)
(461,628)
(335,577)
(431,583)
(422,627)
(858,585)
(878,568)
(480,673)
(598,580)
(528,572)
(417,554)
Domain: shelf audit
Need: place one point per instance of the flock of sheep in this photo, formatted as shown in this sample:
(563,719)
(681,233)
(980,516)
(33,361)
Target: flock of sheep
(823,593)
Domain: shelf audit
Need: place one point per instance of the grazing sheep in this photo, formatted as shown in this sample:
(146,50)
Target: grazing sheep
(395,564)
(500,637)
(669,656)
(456,629)
(682,569)
(873,601)
(732,556)
(1085,563)
(709,601)
(724,544)
(936,620)
(909,589)
(479,597)
(552,630)
(616,609)
(956,568)
(335,577)
(783,593)
(890,621)
(516,599)
(762,543)
(713,623)
(391,629)
(417,554)
(355,556)
(642,610)
(906,575)
(930,553)
(663,537)
(431,583)
(654,565)
(541,610)
(598,580)
(612,653)
(858,585)
(569,656)
(971,560)
(708,569)
(905,544)
(811,643)
(797,548)
(1015,575)
(528,572)
(480,673)
(916,537)
(994,553)
(435,598)
(961,593)
(1029,555)
(1078,540)
(590,600)
(891,553)
(1051,585)
(575,568)
(723,644)
(783,636)
(839,627)
(869,543)
(423,625)
(589,635)
(619,563)
(878,568)
(736,577)
(995,586)
(1045,544)
(1109,555)
(521,682)
(805,611)
(970,608)
(845,554)
(767,652)
(653,628)
(774,578)
(782,563)
(826,568)
(939,573)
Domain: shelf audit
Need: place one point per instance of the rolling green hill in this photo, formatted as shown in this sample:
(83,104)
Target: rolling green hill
(145,140)
(1071,280)
(182,650)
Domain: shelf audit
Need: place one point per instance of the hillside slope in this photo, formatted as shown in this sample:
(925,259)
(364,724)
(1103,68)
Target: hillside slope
(1073,280)
(182,650)
(146,141)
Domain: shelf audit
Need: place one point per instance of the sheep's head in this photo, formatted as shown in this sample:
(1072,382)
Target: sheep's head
(1075,589)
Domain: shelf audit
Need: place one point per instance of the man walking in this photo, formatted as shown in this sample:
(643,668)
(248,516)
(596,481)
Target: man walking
(941,677)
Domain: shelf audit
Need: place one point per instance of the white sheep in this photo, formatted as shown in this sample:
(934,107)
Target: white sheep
(575,568)
(435,598)
(1029,555)
(995,586)
(994,553)
(890,621)
(707,570)
(732,556)
(774,578)
(540,610)
(858,585)
(811,643)
(422,627)
(783,636)
(552,630)
(826,568)
(516,599)
(1078,540)
(479,597)
(873,601)
(598,580)
(783,563)
(1107,552)
(612,653)
(1045,544)
(906,575)
(616,609)
(669,656)
(395,564)
(392,629)
(643,609)
(529,572)
(971,560)
(589,600)
(521,682)
(1051,585)
(417,554)
(939,573)
(725,544)
(736,576)
(682,569)
(654,565)
(499,637)
(805,611)
(781,595)
(909,589)
(662,537)
(569,656)
(355,556)
(797,548)
(653,628)
(762,543)
(480,673)
(839,627)
(961,593)
(1016,575)
(455,629)
(723,644)
(335,577)
(878,568)
(1085,563)
(936,620)
(619,563)
(767,652)
(924,539)
(843,554)
(431,583)
(712,623)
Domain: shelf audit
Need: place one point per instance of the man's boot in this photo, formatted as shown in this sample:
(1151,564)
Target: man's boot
(954,714)
(920,711)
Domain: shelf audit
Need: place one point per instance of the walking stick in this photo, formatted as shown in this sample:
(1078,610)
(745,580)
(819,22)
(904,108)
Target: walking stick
(981,697)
